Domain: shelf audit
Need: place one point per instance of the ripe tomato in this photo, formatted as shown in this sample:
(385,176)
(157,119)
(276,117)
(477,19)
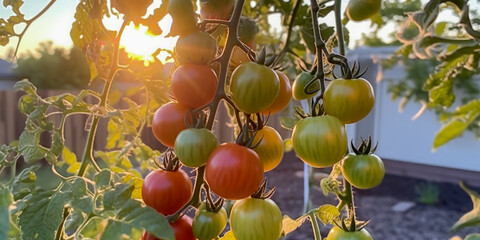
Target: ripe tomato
(166,191)
(284,95)
(363,171)
(216,9)
(194,85)
(349,100)
(359,10)
(254,218)
(132,9)
(234,171)
(320,141)
(254,87)
(182,229)
(197,47)
(168,121)
(270,148)
(194,146)
(301,81)
(208,225)
(337,233)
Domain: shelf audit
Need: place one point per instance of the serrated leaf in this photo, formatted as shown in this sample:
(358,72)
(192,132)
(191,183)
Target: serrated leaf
(26,86)
(473,236)
(79,198)
(471,218)
(74,221)
(74,167)
(24,183)
(68,156)
(114,134)
(44,213)
(288,122)
(453,129)
(289,225)
(443,93)
(6,200)
(103,179)
(228,236)
(327,213)
(117,196)
(30,147)
(137,183)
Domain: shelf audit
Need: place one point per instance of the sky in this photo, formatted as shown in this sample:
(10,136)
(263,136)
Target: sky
(55,24)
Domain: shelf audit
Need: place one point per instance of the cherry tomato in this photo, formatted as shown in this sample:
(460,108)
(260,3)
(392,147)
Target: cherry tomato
(284,95)
(254,87)
(182,229)
(337,233)
(363,171)
(167,191)
(359,10)
(208,225)
(194,85)
(197,47)
(233,171)
(349,100)
(254,218)
(168,121)
(270,149)
(320,141)
(194,146)
(301,81)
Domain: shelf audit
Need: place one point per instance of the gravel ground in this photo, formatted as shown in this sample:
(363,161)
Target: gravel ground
(421,222)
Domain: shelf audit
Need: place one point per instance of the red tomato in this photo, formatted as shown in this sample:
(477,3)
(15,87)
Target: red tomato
(167,191)
(194,85)
(234,171)
(168,121)
(182,229)
(284,95)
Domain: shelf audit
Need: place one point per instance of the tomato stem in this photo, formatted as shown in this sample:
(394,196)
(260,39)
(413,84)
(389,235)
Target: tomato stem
(316,229)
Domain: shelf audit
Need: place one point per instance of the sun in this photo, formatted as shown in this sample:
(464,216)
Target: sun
(140,44)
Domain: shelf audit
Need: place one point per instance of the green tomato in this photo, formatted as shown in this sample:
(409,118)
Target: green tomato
(253,218)
(208,225)
(298,88)
(254,87)
(337,233)
(363,171)
(359,10)
(349,100)
(193,146)
(198,47)
(320,141)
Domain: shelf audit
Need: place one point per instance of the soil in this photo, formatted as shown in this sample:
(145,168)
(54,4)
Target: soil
(420,222)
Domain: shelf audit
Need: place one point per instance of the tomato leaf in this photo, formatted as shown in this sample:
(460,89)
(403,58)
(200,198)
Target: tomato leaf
(290,225)
(471,218)
(473,236)
(328,213)
(288,122)
(6,200)
(29,145)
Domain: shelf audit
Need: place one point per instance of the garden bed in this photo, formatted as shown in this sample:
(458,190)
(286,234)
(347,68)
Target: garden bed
(420,222)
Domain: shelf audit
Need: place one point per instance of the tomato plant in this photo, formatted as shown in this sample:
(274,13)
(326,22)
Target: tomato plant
(269,147)
(233,171)
(194,146)
(254,87)
(197,47)
(166,191)
(349,100)
(194,85)
(300,86)
(168,121)
(359,10)
(207,224)
(214,9)
(284,95)
(320,141)
(254,218)
(337,233)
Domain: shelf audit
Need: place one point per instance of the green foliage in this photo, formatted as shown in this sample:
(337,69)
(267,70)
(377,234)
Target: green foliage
(471,218)
(54,68)
(427,193)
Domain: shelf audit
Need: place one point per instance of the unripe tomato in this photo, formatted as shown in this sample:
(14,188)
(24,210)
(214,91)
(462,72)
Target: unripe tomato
(197,47)
(349,100)
(301,81)
(254,218)
(194,85)
(194,146)
(167,191)
(284,95)
(363,171)
(320,141)
(359,10)
(168,121)
(270,149)
(337,233)
(233,171)
(254,87)
(208,225)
